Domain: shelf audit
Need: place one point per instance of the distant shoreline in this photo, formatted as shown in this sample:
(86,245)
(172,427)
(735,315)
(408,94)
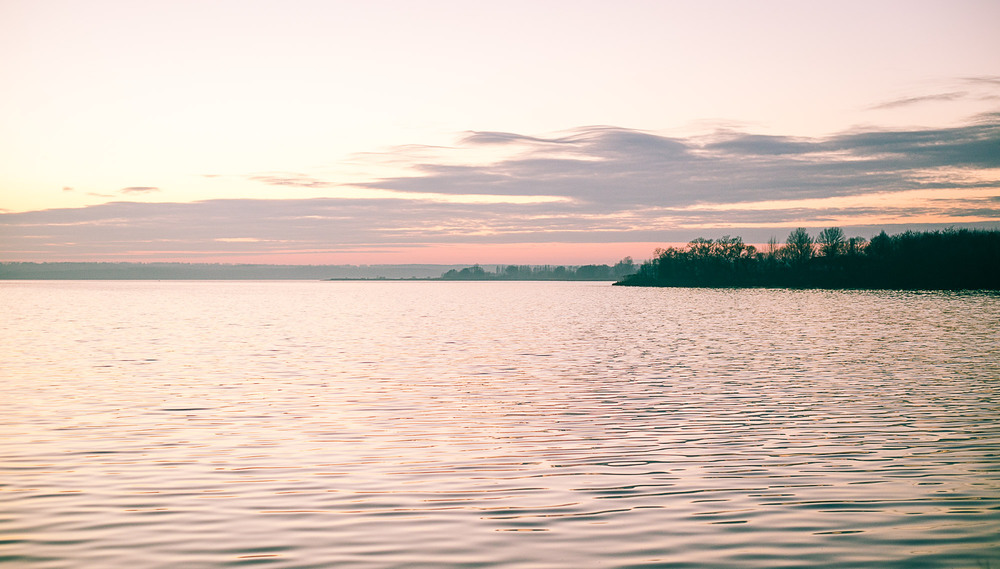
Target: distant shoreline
(214,271)
(124,271)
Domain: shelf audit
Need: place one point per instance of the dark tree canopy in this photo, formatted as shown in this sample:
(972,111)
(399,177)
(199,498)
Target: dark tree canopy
(952,260)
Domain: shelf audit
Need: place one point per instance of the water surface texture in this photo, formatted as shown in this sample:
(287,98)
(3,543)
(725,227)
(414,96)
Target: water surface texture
(513,425)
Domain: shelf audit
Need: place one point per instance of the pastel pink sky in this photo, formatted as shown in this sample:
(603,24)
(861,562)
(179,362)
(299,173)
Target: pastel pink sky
(308,131)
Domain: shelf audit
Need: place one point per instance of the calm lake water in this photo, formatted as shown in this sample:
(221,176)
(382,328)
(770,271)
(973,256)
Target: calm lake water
(514,425)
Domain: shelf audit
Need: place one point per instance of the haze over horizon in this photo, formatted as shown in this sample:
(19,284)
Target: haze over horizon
(311,132)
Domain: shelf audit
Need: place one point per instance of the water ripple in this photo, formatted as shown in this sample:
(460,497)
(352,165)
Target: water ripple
(419,425)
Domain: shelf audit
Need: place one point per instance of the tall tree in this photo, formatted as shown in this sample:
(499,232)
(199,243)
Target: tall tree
(856,246)
(832,242)
(772,247)
(799,246)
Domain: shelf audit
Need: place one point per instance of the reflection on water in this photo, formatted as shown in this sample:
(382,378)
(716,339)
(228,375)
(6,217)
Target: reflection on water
(429,424)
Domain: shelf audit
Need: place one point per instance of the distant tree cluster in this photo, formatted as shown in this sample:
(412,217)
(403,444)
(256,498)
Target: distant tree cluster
(949,260)
(614,272)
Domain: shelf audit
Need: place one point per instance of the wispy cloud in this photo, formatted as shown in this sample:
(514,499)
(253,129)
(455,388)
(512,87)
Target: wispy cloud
(907,101)
(291,180)
(981,88)
(139,190)
(989,80)
(490,137)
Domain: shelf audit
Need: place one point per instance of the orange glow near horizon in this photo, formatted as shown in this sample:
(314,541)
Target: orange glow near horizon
(423,254)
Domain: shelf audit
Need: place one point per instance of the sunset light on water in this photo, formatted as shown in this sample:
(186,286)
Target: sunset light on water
(399,424)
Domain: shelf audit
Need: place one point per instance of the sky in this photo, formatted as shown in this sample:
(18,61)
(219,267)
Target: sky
(329,132)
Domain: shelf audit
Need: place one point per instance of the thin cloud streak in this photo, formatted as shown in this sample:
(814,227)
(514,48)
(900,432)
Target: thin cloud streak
(988,80)
(290,179)
(907,101)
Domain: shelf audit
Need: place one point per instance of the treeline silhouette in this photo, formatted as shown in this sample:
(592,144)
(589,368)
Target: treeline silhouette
(617,271)
(934,260)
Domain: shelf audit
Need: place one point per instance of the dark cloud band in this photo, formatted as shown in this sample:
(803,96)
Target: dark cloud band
(621,185)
